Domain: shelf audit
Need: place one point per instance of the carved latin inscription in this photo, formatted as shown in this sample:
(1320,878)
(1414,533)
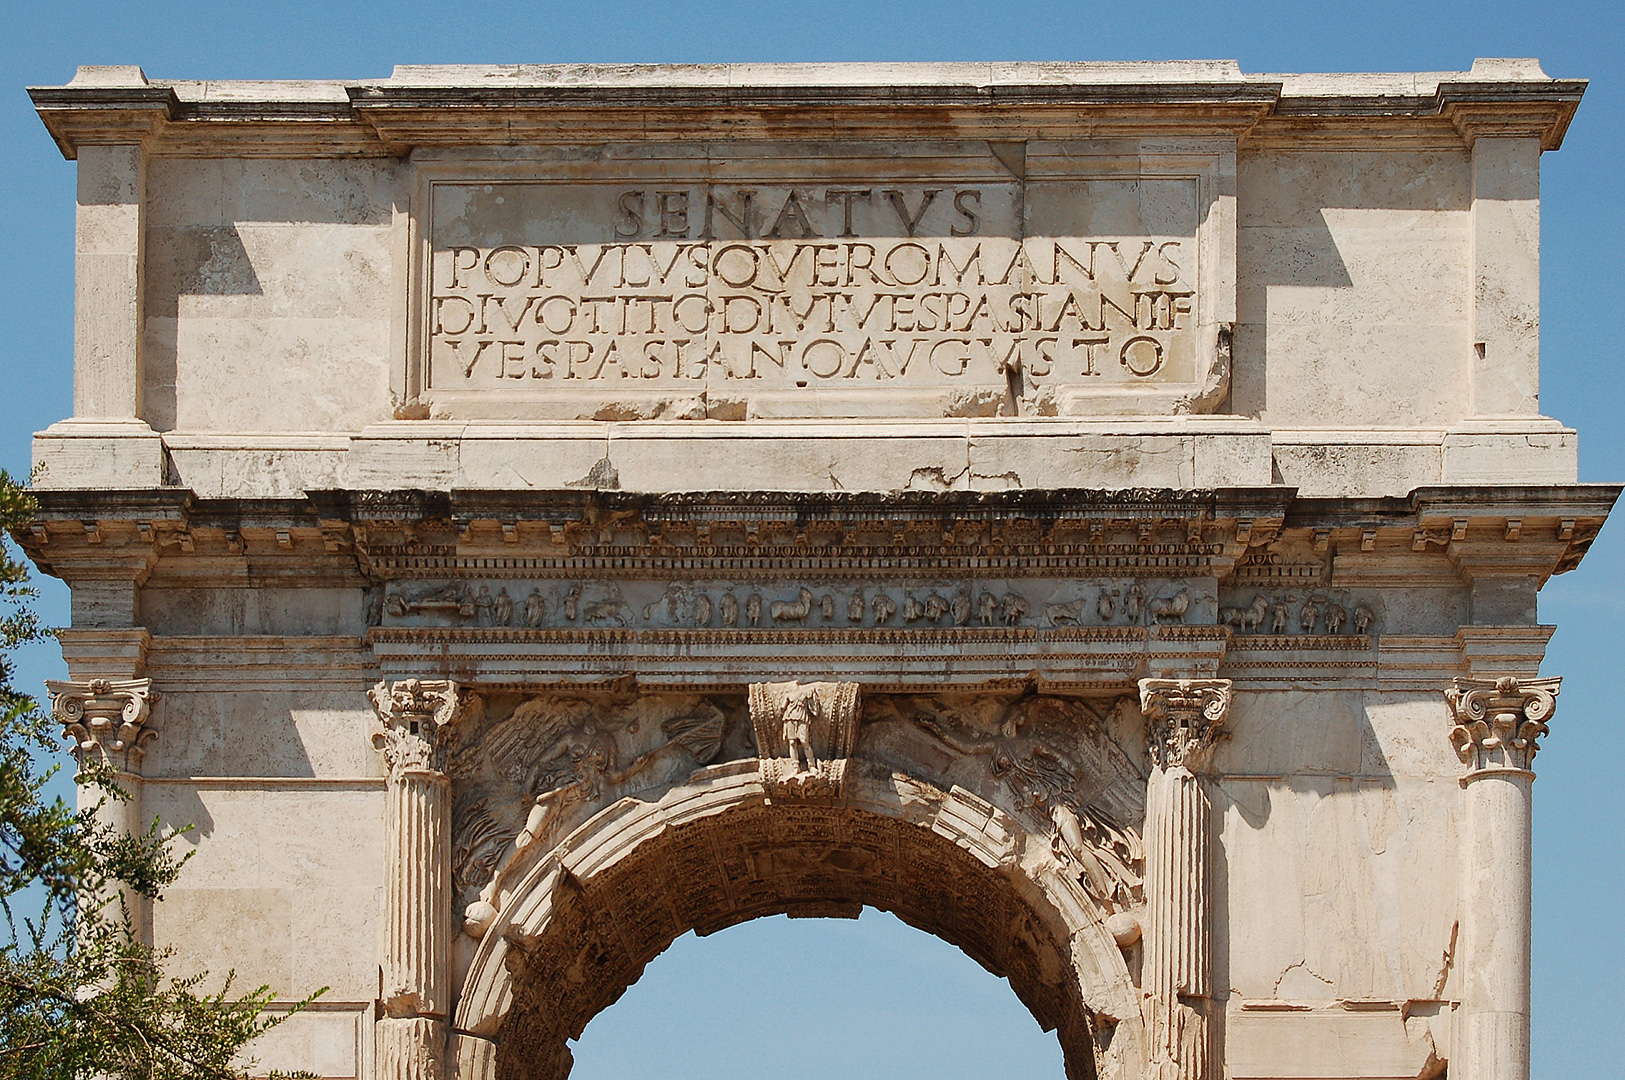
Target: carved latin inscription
(982,298)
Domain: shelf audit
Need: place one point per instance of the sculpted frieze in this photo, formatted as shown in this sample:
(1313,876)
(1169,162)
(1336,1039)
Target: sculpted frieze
(1311,611)
(821,604)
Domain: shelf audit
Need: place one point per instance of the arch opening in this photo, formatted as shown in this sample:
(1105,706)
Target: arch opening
(806,999)
(717,852)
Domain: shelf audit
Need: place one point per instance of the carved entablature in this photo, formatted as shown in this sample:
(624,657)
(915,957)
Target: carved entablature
(105,718)
(1498,722)
(805,734)
(1183,719)
(412,715)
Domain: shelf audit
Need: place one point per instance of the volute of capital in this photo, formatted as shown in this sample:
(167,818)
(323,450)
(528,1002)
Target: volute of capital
(412,717)
(105,718)
(1183,718)
(1498,722)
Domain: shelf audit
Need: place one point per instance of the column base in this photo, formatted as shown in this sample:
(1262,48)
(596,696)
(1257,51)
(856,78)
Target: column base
(410,1048)
(1491,1046)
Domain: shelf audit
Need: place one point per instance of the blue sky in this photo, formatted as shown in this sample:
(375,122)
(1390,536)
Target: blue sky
(877,998)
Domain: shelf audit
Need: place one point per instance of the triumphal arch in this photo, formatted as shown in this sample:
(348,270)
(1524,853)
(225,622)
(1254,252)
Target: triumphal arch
(519,515)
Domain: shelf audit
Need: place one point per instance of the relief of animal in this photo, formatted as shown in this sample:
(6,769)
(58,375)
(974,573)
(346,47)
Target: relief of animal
(1169,609)
(1246,618)
(1065,614)
(604,612)
(792,610)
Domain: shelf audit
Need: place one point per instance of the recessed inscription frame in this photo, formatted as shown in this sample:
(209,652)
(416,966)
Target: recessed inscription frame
(806,281)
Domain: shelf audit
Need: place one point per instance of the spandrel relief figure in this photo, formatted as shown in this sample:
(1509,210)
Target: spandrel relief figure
(564,758)
(1058,765)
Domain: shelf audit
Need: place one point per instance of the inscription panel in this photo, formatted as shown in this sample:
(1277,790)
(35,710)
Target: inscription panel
(648,297)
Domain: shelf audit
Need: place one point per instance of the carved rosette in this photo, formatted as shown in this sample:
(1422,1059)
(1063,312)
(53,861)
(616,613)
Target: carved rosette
(105,718)
(805,733)
(1498,722)
(412,714)
(1183,719)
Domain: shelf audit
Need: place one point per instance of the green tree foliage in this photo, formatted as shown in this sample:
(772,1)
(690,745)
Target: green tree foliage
(80,995)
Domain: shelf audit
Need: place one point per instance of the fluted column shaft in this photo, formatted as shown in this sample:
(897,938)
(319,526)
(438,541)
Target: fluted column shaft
(1183,718)
(417,985)
(1497,725)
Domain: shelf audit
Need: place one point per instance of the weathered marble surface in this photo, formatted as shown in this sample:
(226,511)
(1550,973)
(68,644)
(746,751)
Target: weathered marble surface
(1096,511)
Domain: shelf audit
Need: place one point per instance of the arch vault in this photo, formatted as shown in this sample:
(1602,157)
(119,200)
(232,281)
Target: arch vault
(716,851)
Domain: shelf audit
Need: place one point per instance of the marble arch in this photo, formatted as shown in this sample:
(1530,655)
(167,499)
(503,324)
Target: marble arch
(649,435)
(585,919)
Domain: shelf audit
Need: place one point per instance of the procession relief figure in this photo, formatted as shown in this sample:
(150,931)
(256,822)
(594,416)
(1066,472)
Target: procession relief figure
(805,732)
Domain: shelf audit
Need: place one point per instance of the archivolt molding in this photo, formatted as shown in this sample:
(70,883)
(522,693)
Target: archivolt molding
(718,850)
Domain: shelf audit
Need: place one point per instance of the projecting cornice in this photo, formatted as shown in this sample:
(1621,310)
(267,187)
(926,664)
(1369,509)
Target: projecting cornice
(423,107)
(1535,530)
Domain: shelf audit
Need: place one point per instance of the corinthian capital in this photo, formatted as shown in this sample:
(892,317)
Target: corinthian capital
(105,718)
(1183,719)
(1498,722)
(412,714)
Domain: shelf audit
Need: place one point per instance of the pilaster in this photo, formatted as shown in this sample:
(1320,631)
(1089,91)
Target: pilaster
(1505,364)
